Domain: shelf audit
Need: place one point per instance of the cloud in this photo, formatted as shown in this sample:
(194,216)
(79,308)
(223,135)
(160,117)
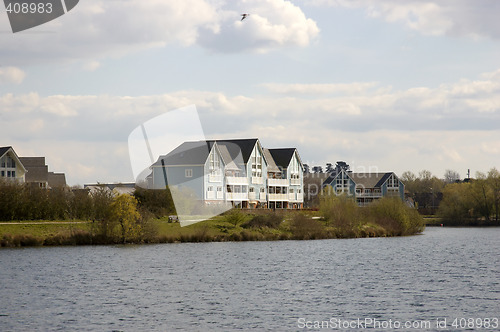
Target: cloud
(319,89)
(112,28)
(444,17)
(11,75)
(452,124)
(271,24)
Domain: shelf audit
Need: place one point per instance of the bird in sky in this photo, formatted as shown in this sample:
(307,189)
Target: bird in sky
(244,16)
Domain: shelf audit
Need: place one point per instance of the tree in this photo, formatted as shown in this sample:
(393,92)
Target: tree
(124,212)
(482,196)
(451,176)
(317,169)
(494,183)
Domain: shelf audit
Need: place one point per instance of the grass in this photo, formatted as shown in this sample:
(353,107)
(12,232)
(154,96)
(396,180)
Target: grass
(234,225)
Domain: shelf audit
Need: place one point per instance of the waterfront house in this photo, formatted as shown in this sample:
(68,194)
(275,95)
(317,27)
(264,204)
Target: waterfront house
(11,168)
(365,187)
(237,171)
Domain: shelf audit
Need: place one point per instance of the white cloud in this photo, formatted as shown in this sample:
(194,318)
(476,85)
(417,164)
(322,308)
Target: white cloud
(101,28)
(444,17)
(319,89)
(11,75)
(432,128)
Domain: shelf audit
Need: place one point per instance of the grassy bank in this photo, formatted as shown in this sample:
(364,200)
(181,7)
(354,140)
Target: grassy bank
(337,220)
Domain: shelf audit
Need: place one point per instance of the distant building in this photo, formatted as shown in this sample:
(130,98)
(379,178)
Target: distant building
(11,168)
(38,173)
(365,187)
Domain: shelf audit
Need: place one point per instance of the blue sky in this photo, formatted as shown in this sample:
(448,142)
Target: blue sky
(385,85)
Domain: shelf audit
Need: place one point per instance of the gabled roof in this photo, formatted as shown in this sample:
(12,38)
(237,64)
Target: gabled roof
(235,146)
(6,149)
(188,153)
(33,161)
(370,180)
(37,173)
(226,157)
(56,180)
(271,164)
(282,157)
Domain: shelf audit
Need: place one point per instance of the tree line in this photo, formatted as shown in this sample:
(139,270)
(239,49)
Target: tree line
(456,200)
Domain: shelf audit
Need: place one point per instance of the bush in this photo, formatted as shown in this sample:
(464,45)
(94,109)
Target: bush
(395,217)
(304,228)
(271,220)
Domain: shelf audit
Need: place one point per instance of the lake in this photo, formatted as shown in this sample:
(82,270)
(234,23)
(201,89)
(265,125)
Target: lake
(428,282)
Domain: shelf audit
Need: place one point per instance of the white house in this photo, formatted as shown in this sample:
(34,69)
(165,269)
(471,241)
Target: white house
(11,168)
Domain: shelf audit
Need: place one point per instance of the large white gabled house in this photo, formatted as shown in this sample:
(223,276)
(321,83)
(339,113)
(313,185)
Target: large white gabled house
(11,168)
(237,171)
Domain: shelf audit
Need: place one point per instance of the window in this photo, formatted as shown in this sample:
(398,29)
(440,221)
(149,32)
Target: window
(252,189)
(262,190)
(219,189)
(13,174)
(189,173)
(210,188)
(3,173)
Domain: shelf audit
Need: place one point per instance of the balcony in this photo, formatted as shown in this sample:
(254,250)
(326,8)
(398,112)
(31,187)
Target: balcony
(252,196)
(214,178)
(210,195)
(236,196)
(291,197)
(220,195)
(262,196)
(295,182)
(278,197)
(236,180)
(257,180)
(368,194)
(278,182)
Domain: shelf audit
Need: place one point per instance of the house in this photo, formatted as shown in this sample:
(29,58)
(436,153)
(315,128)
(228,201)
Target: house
(365,187)
(38,173)
(238,171)
(286,187)
(11,168)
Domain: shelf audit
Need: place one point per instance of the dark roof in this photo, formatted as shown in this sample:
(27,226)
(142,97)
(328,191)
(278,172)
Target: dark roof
(188,153)
(271,164)
(283,156)
(56,180)
(370,180)
(32,161)
(37,173)
(4,149)
(235,146)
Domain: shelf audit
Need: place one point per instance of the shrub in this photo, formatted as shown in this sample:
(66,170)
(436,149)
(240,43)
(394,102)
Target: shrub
(304,228)
(271,220)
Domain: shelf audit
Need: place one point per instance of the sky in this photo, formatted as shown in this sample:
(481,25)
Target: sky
(383,85)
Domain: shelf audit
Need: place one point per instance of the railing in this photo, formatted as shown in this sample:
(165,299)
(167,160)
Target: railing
(214,178)
(262,196)
(210,195)
(278,197)
(291,197)
(220,195)
(300,197)
(257,180)
(230,180)
(252,196)
(295,182)
(376,195)
(278,182)
(236,196)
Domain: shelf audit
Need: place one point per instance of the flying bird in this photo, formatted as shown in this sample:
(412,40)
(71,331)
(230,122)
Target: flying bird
(244,16)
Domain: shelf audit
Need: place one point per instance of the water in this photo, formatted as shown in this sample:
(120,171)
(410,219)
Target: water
(446,273)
